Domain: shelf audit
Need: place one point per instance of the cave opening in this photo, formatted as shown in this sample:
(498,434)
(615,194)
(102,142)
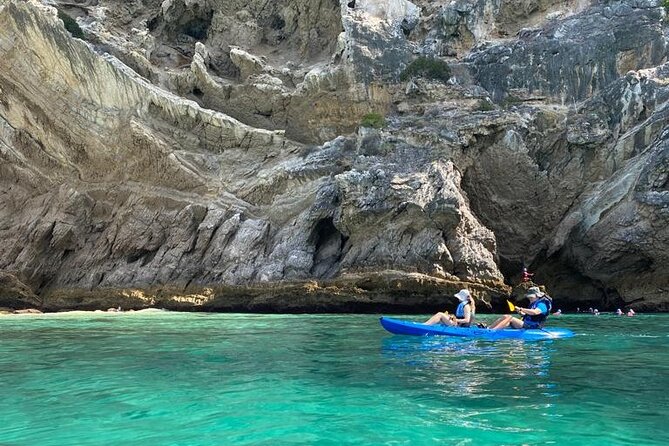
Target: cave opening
(153,23)
(329,244)
(406,27)
(277,22)
(197,28)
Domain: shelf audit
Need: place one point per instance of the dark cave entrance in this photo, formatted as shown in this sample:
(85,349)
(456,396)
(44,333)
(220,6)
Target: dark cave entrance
(197,27)
(329,245)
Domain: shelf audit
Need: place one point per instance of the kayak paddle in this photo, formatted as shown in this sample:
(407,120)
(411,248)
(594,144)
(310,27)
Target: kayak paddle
(511,306)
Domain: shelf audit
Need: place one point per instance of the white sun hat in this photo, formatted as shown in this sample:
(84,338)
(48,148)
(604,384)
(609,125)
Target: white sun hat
(463,295)
(534,291)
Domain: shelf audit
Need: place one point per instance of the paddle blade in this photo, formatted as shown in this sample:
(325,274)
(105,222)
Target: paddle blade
(511,306)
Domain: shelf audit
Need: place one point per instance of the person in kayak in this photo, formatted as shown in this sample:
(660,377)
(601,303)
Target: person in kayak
(464,314)
(533,317)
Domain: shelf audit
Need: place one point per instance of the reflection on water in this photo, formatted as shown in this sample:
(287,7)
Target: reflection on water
(462,367)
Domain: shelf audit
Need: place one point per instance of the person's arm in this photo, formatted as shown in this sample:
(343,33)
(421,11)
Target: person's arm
(532,311)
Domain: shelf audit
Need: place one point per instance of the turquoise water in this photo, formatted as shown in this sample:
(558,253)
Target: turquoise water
(232,379)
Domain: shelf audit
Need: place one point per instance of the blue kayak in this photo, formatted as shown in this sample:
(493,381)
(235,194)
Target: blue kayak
(398,326)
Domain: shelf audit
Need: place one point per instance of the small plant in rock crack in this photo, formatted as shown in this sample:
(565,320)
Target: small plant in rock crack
(71,25)
(373,120)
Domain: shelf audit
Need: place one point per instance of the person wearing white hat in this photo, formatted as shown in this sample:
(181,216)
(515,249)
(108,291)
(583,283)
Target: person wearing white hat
(533,317)
(464,314)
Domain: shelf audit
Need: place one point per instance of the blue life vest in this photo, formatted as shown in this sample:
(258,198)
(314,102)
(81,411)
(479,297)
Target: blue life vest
(537,320)
(460,314)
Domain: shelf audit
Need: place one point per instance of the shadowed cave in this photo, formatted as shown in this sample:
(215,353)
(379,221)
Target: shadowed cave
(329,246)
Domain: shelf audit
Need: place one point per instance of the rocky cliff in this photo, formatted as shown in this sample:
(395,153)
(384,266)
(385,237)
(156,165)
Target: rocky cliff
(306,155)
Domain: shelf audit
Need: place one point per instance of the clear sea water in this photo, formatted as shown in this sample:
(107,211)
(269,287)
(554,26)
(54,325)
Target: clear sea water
(235,379)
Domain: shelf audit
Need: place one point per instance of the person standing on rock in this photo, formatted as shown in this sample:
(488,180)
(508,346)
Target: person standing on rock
(464,314)
(527,276)
(533,317)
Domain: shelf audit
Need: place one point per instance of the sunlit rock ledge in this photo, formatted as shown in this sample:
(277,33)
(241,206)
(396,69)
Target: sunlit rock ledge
(373,292)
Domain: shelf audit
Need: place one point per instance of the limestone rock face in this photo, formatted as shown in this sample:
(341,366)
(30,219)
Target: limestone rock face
(119,184)
(267,64)
(458,26)
(613,232)
(15,294)
(572,58)
(208,154)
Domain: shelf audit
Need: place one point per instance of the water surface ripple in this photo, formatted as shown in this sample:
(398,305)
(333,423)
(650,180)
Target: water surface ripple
(234,379)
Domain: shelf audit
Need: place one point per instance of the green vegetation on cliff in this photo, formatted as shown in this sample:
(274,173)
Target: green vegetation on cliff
(374,120)
(71,25)
(484,105)
(427,67)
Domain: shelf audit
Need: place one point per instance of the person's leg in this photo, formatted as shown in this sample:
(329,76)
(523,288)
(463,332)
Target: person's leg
(517,323)
(439,317)
(505,321)
(502,322)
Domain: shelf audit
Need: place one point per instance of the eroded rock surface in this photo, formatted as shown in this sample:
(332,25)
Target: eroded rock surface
(572,58)
(202,154)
